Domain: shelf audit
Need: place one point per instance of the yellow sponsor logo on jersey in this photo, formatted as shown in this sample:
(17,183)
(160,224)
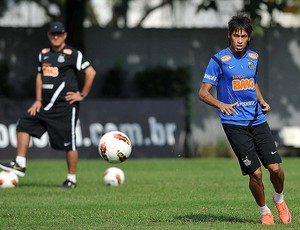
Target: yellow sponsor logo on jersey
(243,84)
(253,56)
(225,58)
(50,71)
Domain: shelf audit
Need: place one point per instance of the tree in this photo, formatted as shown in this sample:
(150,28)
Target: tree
(255,9)
(71,12)
(75,15)
(75,12)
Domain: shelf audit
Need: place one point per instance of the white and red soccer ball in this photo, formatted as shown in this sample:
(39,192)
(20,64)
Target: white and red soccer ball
(113,176)
(8,179)
(114,147)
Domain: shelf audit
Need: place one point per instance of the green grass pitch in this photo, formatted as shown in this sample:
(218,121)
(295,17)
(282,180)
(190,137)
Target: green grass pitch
(157,194)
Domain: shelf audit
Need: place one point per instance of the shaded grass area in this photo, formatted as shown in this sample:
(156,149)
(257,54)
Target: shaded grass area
(157,194)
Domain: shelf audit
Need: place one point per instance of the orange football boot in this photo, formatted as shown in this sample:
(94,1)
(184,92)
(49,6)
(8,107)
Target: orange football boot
(267,219)
(283,211)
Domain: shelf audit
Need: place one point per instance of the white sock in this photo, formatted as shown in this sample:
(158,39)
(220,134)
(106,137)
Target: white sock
(264,209)
(21,161)
(71,177)
(278,197)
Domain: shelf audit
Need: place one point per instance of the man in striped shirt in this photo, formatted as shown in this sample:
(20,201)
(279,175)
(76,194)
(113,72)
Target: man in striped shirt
(56,107)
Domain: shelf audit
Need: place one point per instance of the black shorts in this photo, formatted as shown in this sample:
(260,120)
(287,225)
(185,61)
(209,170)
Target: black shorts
(60,123)
(252,145)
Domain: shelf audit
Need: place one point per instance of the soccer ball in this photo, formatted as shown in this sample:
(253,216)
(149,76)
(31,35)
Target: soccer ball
(114,147)
(8,179)
(113,176)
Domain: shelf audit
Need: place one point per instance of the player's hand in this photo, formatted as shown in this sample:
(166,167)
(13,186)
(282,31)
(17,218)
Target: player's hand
(35,108)
(265,107)
(72,97)
(228,109)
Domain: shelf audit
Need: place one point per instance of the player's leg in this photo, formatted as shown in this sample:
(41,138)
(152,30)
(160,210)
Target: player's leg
(271,159)
(243,145)
(257,187)
(258,191)
(276,177)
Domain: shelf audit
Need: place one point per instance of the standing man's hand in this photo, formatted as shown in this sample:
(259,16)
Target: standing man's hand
(72,97)
(35,108)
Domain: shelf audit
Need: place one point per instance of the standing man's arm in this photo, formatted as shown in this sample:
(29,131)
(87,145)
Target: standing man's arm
(265,106)
(89,74)
(36,106)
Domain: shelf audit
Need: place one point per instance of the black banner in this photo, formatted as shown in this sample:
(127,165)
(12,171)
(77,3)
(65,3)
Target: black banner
(155,128)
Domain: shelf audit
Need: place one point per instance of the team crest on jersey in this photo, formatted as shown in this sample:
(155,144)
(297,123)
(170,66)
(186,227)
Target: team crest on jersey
(251,65)
(67,51)
(225,58)
(61,58)
(253,56)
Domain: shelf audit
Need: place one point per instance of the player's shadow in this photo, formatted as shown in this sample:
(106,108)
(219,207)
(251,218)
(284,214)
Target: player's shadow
(213,218)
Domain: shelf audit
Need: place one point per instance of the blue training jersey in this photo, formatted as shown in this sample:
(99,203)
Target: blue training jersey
(235,79)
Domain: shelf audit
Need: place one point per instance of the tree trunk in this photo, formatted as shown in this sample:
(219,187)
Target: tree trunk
(75,14)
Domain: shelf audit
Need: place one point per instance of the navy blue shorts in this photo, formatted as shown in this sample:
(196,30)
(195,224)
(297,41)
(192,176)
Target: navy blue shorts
(252,145)
(60,123)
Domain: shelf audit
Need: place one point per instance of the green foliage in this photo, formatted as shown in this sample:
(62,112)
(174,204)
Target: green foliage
(219,149)
(167,194)
(5,86)
(115,83)
(164,82)
(255,9)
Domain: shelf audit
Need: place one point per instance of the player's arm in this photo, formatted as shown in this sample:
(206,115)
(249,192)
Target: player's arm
(36,106)
(89,74)
(265,106)
(208,98)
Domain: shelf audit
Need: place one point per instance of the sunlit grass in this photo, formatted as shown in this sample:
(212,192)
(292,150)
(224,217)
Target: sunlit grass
(157,194)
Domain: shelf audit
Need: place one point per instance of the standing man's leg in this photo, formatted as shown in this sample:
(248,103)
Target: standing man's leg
(23,143)
(23,140)
(72,159)
(18,166)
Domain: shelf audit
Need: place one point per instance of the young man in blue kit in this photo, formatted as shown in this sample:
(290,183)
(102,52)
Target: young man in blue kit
(241,108)
(56,107)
